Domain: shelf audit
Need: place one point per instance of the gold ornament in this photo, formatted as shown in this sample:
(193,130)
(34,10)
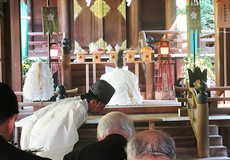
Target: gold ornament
(101,43)
(122,8)
(124,45)
(77,9)
(100,8)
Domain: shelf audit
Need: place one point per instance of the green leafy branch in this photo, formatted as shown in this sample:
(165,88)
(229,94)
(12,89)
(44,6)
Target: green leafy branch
(204,60)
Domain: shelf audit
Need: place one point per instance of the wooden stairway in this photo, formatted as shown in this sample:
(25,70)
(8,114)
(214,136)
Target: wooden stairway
(181,131)
(216,149)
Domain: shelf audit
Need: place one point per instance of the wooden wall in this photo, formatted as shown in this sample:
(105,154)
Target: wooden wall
(115,30)
(153,16)
(34,8)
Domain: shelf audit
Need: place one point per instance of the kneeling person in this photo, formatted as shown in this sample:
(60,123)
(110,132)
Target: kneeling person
(125,83)
(54,127)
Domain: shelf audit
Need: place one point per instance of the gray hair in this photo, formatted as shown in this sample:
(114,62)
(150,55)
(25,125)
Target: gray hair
(115,121)
(151,143)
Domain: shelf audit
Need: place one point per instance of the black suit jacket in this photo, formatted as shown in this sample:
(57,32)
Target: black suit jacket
(9,152)
(110,148)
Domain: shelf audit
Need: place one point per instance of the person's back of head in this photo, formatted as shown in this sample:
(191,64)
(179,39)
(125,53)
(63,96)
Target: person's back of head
(9,103)
(151,145)
(119,60)
(8,111)
(115,123)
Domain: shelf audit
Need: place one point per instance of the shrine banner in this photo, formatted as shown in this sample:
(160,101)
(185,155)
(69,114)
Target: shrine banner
(223,14)
(193,17)
(49,20)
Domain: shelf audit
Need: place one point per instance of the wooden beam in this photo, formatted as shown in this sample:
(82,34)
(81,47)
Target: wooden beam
(134,23)
(140,109)
(16,69)
(30,22)
(64,16)
(149,79)
(219,50)
(65,64)
(170,16)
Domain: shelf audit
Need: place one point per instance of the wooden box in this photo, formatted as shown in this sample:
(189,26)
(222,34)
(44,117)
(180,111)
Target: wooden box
(130,55)
(80,56)
(147,55)
(97,56)
(112,56)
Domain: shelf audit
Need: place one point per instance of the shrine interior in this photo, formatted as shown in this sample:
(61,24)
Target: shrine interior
(82,43)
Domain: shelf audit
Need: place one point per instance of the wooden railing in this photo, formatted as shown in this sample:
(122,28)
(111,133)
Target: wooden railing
(198,115)
(39,104)
(38,44)
(199,106)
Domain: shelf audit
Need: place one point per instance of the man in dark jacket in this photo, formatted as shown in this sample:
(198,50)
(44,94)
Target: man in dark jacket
(112,132)
(8,114)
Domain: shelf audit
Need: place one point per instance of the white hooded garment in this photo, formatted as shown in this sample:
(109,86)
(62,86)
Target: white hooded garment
(54,128)
(126,87)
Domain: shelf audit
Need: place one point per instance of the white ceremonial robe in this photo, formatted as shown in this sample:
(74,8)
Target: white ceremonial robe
(126,87)
(54,127)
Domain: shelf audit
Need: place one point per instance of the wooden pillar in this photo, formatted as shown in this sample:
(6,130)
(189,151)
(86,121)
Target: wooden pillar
(65,64)
(16,67)
(2,47)
(149,78)
(220,50)
(134,23)
(151,125)
(30,22)
(203,122)
(64,16)
(170,17)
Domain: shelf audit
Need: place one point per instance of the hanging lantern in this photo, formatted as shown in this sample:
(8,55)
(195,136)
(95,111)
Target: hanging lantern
(54,50)
(164,47)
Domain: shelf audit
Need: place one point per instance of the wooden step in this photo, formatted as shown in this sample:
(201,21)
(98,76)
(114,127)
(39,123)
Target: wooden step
(209,158)
(185,141)
(217,151)
(177,130)
(215,140)
(213,130)
(191,153)
(186,153)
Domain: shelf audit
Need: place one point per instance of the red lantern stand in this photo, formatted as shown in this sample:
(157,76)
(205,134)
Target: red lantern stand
(164,78)
(55,60)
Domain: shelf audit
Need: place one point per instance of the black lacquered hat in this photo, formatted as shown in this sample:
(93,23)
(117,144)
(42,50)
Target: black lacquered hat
(119,60)
(103,90)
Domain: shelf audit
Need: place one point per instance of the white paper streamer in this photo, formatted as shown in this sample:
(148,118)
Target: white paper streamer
(88,3)
(39,82)
(128,2)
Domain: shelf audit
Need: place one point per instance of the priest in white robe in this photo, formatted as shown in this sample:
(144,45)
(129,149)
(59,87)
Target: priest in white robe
(54,127)
(127,91)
